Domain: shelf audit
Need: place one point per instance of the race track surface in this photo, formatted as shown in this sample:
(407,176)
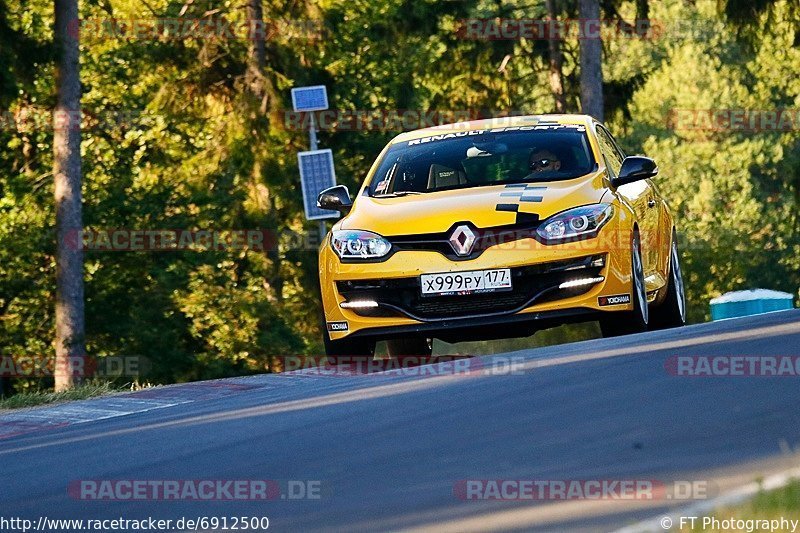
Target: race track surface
(391,450)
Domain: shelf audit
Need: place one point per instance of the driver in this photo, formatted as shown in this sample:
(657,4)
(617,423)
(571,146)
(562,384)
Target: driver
(543,161)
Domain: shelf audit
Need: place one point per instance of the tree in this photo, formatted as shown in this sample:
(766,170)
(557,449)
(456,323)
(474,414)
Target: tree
(556,61)
(258,83)
(591,60)
(69,341)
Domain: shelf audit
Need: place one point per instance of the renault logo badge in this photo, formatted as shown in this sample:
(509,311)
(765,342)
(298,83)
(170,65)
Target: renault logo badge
(462,240)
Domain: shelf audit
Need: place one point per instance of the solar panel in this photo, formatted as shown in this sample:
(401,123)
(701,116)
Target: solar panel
(313,98)
(316,175)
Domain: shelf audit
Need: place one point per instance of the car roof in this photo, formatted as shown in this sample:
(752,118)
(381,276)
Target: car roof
(499,122)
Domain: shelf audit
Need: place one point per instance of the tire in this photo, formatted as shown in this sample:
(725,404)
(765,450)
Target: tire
(348,347)
(671,313)
(629,322)
(412,346)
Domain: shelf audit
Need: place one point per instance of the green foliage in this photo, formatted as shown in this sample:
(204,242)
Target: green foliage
(735,194)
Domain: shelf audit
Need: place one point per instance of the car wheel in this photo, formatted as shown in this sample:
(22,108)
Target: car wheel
(348,347)
(627,322)
(672,311)
(413,346)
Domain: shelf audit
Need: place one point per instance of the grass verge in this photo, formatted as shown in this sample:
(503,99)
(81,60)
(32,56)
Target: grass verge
(34,398)
(765,505)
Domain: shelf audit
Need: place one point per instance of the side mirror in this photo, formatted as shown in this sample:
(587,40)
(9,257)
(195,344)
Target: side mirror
(635,168)
(336,198)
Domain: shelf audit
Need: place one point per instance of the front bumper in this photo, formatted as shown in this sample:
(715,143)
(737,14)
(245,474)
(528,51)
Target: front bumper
(534,303)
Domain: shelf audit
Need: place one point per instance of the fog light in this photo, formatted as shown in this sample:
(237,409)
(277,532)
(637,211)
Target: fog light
(359,304)
(580,282)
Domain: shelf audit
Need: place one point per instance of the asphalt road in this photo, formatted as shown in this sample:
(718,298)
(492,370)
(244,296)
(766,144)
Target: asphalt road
(390,451)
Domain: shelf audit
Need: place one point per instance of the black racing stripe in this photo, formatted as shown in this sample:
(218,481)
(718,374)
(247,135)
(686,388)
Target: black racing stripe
(516,186)
(513,208)
(527,218)
(531,199)
(530,188)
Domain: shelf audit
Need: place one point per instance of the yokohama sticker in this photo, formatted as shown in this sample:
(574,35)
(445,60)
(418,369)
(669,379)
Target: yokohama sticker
(337,326)
(615,299)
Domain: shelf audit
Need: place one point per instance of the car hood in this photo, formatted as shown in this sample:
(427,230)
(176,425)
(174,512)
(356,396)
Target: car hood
(485,207)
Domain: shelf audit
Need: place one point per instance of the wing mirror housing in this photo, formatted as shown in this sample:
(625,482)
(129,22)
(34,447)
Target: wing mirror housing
(336,198)
(635,168)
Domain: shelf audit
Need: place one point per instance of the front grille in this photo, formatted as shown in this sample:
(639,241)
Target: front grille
(474,304)
(531,284)
(485,238)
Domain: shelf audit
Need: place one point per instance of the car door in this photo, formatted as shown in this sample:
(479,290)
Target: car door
(641,196)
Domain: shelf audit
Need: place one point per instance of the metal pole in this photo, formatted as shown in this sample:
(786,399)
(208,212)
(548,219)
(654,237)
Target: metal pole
(312,131)
(312,142)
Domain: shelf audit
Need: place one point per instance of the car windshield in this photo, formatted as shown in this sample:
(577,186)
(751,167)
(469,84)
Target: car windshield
(478,158)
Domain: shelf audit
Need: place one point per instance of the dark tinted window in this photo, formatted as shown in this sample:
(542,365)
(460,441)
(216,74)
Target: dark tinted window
(484,157)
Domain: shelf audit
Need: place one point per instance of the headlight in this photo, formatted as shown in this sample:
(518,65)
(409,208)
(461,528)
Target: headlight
(357,244)
(578,222)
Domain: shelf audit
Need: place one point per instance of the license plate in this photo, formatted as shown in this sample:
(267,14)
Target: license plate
(461,283)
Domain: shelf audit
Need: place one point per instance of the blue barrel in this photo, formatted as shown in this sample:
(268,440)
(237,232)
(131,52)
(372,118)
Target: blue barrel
(752,302)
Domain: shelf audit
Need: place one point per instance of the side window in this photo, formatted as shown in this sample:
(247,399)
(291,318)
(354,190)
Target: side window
(616,146)
(611,153)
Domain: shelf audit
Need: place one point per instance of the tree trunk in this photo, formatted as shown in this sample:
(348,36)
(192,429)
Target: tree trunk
(260,86)
(642,22)
(69,342)
(256,78)
(556,61)
(591,60)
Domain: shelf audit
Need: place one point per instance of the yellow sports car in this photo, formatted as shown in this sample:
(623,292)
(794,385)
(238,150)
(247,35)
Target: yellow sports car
(498,228)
